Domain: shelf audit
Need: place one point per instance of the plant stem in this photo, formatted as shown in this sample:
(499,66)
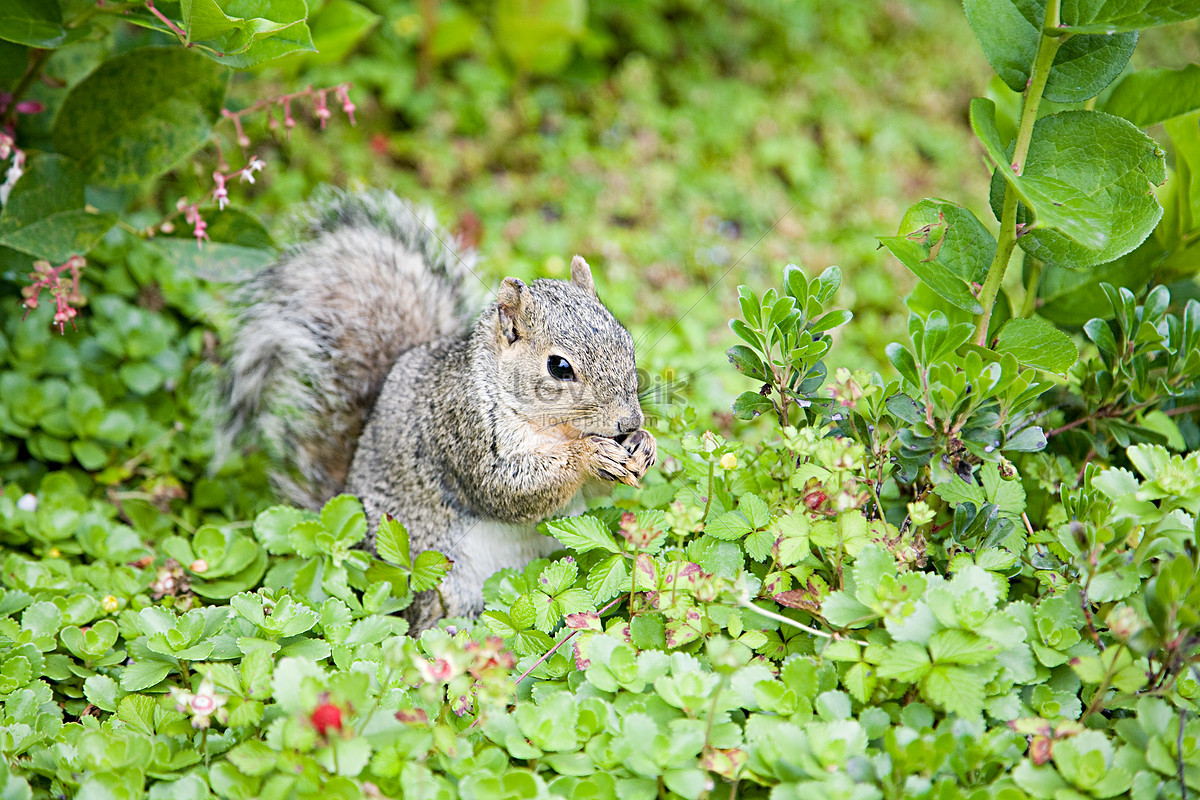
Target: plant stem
(1047,49)
(1031,287)
(780,618)
(37,60)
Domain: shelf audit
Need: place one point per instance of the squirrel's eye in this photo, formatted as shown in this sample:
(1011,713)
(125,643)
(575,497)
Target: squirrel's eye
(560,369)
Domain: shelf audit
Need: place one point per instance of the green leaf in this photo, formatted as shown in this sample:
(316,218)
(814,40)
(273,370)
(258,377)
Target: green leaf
(755,510)
(142,675)
(257,31)
(124,131)
(607,579)
(961,647)
(338,26)
(45,214)
(537,35)
(391,542)
(583,534)
(1150,96)
(730,526)
(35,23)
(1098,209)
(1104,16)
(915,256)
(429,568)
(343,517)
(1035,343)
(905,661)
(1072,297)
(1009,32)
(954,689)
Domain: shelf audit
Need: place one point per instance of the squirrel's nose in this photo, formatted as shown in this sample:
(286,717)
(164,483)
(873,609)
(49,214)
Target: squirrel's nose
(630,423)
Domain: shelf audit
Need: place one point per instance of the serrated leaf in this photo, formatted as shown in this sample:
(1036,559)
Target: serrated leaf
(608,579)
(755,510)
(905,661)
(955,646)
(391,542)
(583,534)
(429,568)
(954,689)
(730,526)
(1038,344)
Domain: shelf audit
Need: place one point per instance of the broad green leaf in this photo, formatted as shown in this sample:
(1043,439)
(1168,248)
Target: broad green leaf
(961,647)
(339,25)
(242,33)
(905,661)
(607,579)
(163,116)
(1098,209)
(915,255)
(1150,96)
(755,510)
(1105,16)
(583,534)
(729,526)
(45,214)
(35,23)
(1035,343)
(955,689)
(538,35)
(1009,31)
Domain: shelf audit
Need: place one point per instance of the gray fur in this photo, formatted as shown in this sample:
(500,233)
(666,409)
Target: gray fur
(354,358)
(318,331)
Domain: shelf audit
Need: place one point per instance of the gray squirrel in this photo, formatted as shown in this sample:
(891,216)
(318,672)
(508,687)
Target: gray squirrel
(357,359)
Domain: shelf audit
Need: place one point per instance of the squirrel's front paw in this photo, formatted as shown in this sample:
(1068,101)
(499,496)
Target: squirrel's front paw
(610,460)
(642,450)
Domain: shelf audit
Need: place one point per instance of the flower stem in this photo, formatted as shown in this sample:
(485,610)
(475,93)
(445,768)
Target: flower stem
(1047,49)
(37,60)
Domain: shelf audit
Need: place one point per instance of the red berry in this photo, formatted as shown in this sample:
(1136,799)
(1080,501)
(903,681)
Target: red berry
(326,716)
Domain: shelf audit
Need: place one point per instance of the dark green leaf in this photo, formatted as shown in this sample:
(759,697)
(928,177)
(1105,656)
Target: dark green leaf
(123,131)
(1099,209)
(34,23)
(45,215)
(1009,32)
(1104,16)
(1150,96)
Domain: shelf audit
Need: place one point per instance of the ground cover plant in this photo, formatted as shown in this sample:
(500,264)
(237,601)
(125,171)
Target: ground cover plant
(933,550)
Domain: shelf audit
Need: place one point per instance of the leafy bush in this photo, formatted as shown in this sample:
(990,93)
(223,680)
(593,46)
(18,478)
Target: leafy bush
(978,576)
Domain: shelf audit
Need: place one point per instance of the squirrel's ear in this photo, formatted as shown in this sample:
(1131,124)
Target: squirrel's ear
(510,307)
(581,275)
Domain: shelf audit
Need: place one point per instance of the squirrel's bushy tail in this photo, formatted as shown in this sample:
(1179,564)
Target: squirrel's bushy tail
(318,331)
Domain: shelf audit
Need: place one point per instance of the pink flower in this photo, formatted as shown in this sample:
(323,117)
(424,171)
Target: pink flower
(220,194)
(343,94)
(202,705)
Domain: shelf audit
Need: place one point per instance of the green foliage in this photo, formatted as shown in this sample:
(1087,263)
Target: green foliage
(975,575)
